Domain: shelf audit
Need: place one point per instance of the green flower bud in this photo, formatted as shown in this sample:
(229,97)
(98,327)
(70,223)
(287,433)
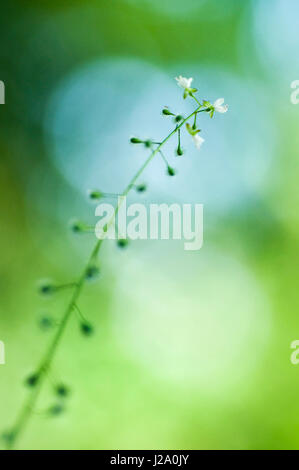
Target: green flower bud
(92,272)
(191,130)
(170,171)
(166,112)
(135,140)
(122,243)
(56,410)
(46,322)
(178,118)
(179,151)
(95,195)
(8,437)
(47,287)
(141,188)
(148,143)
(62,390)
(77,226)
(32,380)
(86,328)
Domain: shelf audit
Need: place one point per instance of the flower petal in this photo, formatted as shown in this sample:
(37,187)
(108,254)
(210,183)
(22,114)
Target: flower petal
(219,102)
(198,141)
(223,109)
(184,82)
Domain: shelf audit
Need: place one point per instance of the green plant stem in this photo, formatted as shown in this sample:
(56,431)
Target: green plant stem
(163,158)
(29,404)
(194,124)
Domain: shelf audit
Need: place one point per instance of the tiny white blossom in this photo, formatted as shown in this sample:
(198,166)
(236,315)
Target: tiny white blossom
(183,82)
(219,106)
(198,140)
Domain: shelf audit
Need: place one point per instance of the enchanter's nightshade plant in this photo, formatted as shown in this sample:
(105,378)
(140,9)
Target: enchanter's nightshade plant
(37,378)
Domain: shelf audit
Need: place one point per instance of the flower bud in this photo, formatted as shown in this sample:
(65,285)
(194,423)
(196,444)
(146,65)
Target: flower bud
(141,188)
(178,118)
(95,195)
(122,243)
(86,328)
(46,322)
(92,272)
(192,131)
(135,140)
(8,437)
(148,143)
(166,112)
(170,171)
(179,151)
(56,410)
(47,287)
(62,390)
(32,380)
(77,226)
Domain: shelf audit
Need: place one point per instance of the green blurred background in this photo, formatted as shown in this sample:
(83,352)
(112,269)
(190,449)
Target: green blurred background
(191,350)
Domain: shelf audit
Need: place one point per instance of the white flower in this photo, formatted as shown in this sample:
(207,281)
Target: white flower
(198,140)
(183,82)
(219,106)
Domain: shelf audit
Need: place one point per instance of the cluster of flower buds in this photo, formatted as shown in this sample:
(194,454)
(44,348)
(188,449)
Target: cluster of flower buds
(62,393)
(176,117)
(218,106)
(169,169)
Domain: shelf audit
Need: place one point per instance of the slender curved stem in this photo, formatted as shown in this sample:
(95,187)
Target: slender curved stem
(29,404)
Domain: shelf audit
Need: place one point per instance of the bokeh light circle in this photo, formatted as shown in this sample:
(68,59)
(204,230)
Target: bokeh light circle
(276,37)
(95,110)
(211,333)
